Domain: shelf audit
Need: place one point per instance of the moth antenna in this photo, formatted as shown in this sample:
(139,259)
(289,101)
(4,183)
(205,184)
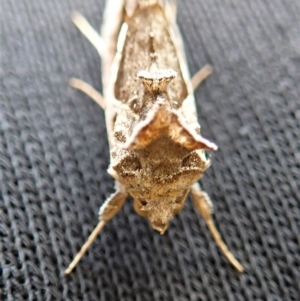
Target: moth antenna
(107,211)
(85,247)
(89,32)
(217,237)
(201,75)
(204,205)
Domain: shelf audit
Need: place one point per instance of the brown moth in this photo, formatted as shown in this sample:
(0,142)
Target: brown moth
(157,152)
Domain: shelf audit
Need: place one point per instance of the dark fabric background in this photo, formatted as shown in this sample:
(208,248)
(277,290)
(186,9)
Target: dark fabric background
(54,156)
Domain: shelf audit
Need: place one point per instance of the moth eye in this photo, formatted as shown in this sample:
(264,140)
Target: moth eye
(128,164)
(178,200)
(207,155)
(191,160)
(143,202)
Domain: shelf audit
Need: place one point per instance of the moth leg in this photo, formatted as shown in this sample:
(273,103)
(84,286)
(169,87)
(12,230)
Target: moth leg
(201,75)
(204,205)
(107,211)
(88,90)
(89,32)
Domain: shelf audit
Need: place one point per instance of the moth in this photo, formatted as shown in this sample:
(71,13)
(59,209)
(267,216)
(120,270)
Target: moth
(157,153)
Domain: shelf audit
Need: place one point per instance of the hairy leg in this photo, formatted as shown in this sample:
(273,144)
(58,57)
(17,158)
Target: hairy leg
(88,90)
(201,75)
(89,32)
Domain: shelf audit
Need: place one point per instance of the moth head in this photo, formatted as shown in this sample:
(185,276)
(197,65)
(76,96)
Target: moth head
(160,210)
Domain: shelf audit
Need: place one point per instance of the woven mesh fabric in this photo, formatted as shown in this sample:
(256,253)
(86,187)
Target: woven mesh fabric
(54,155)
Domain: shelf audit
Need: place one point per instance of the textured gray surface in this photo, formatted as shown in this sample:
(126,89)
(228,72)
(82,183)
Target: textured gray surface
(54,155)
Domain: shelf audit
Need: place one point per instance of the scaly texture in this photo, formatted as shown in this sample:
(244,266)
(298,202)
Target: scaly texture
(54,156)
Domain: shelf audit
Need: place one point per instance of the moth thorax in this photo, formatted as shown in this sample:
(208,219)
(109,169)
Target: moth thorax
(156,81)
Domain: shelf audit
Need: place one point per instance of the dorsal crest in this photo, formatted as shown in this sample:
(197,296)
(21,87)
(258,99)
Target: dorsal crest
(156,81)
(163,120)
